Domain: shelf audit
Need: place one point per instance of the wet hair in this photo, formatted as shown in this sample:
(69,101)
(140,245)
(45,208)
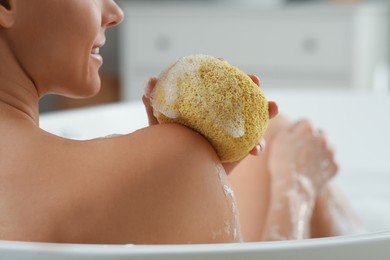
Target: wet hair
(5,3)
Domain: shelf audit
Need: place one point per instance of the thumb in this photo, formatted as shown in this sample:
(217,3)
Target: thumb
(147,100)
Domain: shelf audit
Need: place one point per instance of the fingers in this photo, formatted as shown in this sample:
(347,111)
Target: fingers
(150,86)
(149,111)
(146,99)
(259,148)
(273,109)
(255,79)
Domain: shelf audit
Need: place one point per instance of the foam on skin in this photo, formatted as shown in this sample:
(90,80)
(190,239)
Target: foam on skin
(215,99)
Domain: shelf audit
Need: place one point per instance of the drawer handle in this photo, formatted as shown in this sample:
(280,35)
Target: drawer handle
(163,43)
(310,45)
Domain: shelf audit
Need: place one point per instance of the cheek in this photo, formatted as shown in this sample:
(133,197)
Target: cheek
(76,73)
(80,71)
(56,55)
(66,62)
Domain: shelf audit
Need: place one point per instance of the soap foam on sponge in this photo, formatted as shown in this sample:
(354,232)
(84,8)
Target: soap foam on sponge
(215,99)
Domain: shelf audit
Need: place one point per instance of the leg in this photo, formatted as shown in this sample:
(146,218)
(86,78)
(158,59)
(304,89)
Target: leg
(251,181)
(251,184)
(251,189)
(333,215)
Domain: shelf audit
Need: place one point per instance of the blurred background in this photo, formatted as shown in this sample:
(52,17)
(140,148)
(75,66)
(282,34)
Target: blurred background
(311,45)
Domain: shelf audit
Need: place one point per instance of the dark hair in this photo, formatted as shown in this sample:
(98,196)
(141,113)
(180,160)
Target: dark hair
(5,3)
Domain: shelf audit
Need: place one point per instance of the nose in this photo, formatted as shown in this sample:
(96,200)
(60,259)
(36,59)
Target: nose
(112,14)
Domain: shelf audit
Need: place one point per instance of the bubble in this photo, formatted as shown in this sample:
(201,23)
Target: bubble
(228,191)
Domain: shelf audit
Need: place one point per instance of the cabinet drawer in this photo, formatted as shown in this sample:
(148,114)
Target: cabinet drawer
(280,41)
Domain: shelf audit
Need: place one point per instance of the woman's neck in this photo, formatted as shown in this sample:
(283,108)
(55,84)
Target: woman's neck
(18,93)
(19,99)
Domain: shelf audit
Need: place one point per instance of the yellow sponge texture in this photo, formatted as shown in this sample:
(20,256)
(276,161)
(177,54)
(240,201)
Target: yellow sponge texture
(215,99)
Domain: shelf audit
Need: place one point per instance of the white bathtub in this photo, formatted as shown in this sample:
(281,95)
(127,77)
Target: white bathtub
(357,125)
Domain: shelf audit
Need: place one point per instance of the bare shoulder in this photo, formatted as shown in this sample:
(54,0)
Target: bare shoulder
(162,184)
(161,148)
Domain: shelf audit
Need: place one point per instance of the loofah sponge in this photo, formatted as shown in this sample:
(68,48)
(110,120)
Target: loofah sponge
(215,99)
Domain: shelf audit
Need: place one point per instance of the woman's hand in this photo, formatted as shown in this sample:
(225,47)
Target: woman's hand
(257,150)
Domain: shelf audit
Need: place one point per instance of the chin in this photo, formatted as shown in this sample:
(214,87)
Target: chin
(82,90)
(88,93)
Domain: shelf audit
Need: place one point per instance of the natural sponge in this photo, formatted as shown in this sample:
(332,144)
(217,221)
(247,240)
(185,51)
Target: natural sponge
(215,99)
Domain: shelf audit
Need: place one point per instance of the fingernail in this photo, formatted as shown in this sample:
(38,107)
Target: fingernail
(262,145)
(258,149)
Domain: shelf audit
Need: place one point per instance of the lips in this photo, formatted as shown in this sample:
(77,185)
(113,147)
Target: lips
(95,52)
(97,45)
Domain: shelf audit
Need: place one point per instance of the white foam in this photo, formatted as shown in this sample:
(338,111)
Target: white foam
(170,87)
(165,111)
(190,65)
(183,67)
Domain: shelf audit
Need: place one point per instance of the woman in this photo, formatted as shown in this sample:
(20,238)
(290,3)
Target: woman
(138,188)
